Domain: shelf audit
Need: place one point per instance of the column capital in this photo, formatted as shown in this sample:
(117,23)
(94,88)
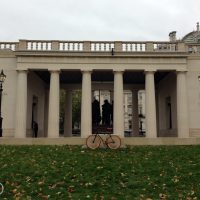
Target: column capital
(54,70)
(181,71)
(118,71)
(150,71)
(86,70)
(22,70)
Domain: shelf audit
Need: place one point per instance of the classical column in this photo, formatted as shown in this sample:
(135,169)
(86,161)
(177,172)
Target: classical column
(150,102)
(21,105)
(86,105)
(54,102)
(135,118)
(68,114)
(118,117)
(182,105)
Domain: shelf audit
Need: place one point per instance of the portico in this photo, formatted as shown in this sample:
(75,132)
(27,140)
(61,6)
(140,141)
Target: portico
(38,72)
(119,82)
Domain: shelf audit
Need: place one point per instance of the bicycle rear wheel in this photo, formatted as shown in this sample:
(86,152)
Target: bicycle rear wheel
(113,142)
(93,141)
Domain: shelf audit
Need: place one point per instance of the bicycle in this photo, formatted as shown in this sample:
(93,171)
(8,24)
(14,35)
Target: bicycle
(112,141)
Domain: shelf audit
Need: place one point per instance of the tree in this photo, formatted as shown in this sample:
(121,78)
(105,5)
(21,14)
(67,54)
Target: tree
(76,108)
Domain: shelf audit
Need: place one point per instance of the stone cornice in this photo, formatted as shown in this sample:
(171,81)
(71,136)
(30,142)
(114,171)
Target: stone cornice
(100,54)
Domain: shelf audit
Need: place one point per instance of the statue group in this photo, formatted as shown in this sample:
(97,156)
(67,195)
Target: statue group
(107,113)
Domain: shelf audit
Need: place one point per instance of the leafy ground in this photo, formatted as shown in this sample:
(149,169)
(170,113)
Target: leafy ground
(70,172)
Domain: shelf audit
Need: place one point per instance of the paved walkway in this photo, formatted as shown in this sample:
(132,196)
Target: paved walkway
(80,141)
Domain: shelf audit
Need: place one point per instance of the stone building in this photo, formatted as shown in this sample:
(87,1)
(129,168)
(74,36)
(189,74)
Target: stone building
(168,72)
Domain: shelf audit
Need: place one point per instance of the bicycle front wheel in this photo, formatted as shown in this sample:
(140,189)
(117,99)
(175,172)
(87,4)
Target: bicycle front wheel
(93,141)
(113,142)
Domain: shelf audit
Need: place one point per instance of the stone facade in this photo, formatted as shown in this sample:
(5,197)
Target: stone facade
(167,71)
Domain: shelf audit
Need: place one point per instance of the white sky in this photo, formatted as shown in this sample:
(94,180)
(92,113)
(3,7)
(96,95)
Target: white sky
(97,19)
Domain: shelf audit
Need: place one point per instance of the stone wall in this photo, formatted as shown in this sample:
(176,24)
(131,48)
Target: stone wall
(167,88)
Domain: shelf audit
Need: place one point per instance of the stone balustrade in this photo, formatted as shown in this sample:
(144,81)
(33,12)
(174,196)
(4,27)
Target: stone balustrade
(70,46)
(193,48)
(39,45)
(8,45)
(100,46)
(133,46)
(164,46)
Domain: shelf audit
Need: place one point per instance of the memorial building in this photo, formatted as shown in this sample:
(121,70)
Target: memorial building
(156,83)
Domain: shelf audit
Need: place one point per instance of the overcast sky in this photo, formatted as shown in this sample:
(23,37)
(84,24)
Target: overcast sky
(97,19)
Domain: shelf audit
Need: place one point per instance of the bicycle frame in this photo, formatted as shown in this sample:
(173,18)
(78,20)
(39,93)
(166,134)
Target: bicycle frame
(102,140)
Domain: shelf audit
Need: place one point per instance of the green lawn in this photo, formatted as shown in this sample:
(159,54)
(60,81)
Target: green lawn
(70,172)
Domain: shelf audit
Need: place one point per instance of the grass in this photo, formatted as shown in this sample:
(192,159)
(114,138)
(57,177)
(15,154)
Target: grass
(70,172)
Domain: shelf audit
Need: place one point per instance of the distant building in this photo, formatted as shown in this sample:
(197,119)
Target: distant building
(128,111)
(141,111)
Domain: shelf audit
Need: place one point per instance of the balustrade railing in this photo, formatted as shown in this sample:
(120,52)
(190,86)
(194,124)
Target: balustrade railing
(164,46)
(70,46)
(102,46)
(39,45)
(133,46)
(99,46)
(8,45)
(195,48)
